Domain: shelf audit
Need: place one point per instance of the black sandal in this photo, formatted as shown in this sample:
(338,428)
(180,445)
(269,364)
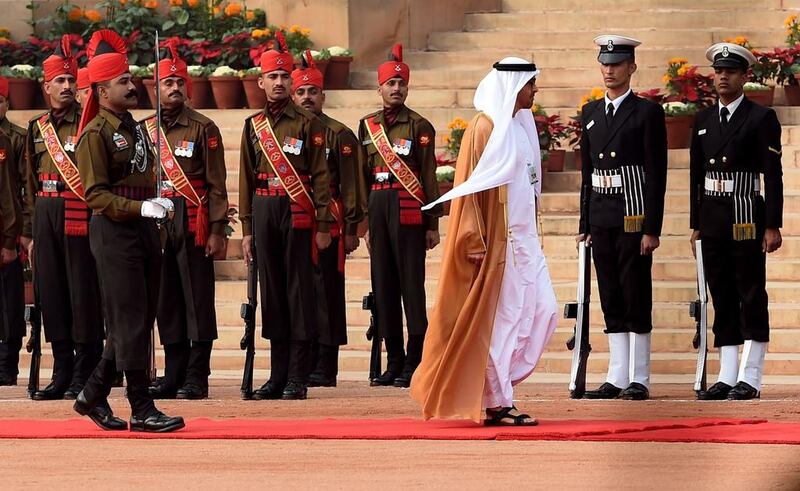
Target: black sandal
(501,417)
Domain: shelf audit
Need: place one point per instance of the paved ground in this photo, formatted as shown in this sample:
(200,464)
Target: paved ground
(405,464)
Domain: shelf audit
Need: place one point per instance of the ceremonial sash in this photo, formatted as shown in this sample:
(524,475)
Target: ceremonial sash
(75,210)
(286,173)
(180,182)
(394,163)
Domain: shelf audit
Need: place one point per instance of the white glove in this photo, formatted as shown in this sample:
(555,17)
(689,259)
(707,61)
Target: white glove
(152,209)
(165,203)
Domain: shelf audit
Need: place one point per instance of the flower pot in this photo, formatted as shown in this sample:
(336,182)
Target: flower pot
(227,92)
(337,75)
(201,93)
(256,97)
(578,161)
(555,163)
(141,90)
(762,97)
(679,131)
(29,300)
(22,93)
(150,88)
(792,93)
(322,66)
(443,188)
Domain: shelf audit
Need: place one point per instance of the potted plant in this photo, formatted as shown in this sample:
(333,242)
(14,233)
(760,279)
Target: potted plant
(786,62)
(256,98)
(687,92)
(201,88)
(552,132)
(23,85)
(232,215)
(321,59)
(338,74)
(763,71)
(760,93)
(226,87)
(679,120)
(445,175)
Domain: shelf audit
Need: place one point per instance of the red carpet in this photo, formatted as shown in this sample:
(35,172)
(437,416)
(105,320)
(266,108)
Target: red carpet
(711,430)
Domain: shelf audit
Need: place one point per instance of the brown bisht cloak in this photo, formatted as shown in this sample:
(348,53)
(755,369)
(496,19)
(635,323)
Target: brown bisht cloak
(449,382)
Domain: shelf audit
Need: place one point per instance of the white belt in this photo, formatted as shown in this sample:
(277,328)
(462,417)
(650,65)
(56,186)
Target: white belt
(381,177)
(606,182)
(727,185)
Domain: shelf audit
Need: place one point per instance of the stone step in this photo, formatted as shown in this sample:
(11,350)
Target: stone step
(570,37)
(598,20)
(636,5)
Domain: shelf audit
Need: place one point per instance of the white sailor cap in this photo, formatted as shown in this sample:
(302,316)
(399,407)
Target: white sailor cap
(615,49)
(729,55)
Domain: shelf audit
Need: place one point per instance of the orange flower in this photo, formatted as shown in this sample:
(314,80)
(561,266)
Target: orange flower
(250,15)
(233,9)
(176,3)
(678,61)
(294,29)
(792,19)
(216,10)
(683,70)
(75,14)
(305,31)
(123,2)
(193,3)
(151,4)
(257,33)
(93,15)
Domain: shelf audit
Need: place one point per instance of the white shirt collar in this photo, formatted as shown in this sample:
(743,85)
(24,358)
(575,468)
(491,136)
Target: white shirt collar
(732,106)
(618,101)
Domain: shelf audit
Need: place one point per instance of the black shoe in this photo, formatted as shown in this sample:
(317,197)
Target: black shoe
(192,392)
(743,391)
(605,391)
(387,378)
(294,391)
(6,379)
(101,414)
(161,390)
(157,422)
(71,394)
(49,393)
(717,392)
(269,391)
(635,392)
(404,379)
(320,380)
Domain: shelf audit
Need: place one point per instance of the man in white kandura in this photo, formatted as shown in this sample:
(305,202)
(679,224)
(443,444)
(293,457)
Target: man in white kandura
(500,308)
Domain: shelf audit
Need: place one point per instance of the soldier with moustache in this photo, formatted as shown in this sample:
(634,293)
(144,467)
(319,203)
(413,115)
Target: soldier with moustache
(340,148)
(734,144)
(399,165)
(284,199)
(117,172)
(624,150)
(12,301)
(57,236)
(192,157)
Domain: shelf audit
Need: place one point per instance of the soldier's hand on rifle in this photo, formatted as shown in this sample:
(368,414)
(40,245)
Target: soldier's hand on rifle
(583,238)
(247,244)
(431,239)
(351,243)
(772,240)
(215,244)
(693,240)
(649,244)
(7,256)
(476,258)
(323,240)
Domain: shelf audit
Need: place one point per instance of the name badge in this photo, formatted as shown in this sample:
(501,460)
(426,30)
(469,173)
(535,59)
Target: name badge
(701,132)
(292,145)
(184,149)
(590,124)
(119,141)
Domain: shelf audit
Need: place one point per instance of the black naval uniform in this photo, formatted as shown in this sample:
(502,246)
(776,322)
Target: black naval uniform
(735,265)
(397,230)
(116,168)
(12,303)
(341,148)
(12,275)
(65,269)
(282,233)
(631,144)
(187,318)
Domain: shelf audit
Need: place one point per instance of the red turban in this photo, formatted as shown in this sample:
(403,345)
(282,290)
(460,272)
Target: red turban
(308,74)
(174,66)
(83,78)
(277,58)
(4,87)
(108,59)
(394,67)
(61,62)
